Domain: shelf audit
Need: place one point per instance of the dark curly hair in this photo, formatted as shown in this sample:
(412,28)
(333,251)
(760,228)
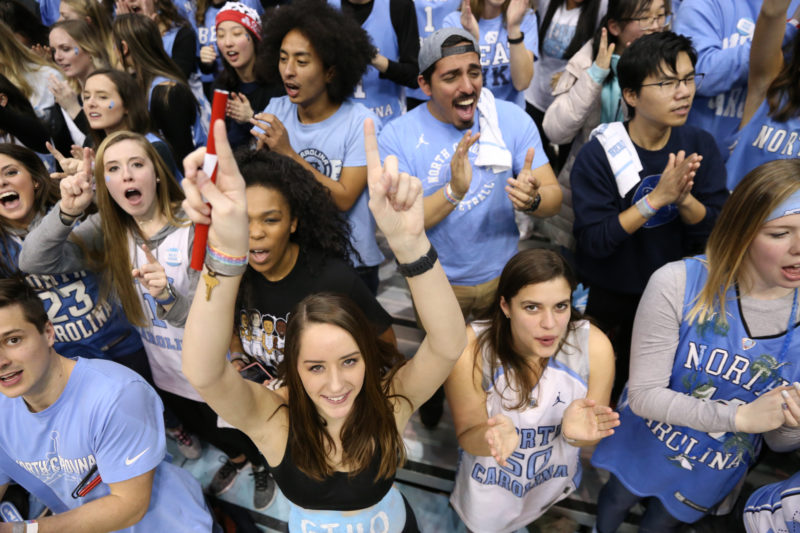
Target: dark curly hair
(320,225)
(337,39)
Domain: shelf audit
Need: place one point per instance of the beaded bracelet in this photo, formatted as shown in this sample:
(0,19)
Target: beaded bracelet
(450,197)
(225,264)
(645,208)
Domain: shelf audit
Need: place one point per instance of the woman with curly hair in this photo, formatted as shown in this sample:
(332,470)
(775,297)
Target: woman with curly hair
(319,55)
(299,245)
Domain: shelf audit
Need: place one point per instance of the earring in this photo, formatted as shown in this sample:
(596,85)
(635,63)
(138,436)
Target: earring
(158,180)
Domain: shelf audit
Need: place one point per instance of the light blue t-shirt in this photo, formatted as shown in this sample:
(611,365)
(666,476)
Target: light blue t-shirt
(763,139)
(721,32)
(496,55)
(382,96)
(329,146)
(430,17)
(476,240)
(107,416)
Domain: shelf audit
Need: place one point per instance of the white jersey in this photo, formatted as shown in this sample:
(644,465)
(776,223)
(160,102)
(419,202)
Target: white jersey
(544,468)
(162,341)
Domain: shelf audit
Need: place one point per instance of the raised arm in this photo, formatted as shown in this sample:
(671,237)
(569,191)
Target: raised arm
(246,405)
(396,203)
(766,58)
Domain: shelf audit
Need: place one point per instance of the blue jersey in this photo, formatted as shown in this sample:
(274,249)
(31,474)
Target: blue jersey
(382,96)
(688,470)
(477,239)
(329,146)
(84,325)
(496,55)
(774,508)
(762,139)
(430,17)
(108,417)
(721,31)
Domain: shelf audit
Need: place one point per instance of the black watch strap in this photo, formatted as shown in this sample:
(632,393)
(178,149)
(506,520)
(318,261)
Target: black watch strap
(420,266)
(535,205)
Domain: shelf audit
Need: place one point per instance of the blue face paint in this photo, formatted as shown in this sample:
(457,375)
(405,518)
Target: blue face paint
(111,104)
(247,35)
(77,50)
(108,178)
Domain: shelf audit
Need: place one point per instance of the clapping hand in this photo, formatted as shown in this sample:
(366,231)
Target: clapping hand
(502,438)
(584,420)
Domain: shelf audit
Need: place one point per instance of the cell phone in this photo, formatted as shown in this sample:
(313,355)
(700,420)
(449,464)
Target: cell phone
(256,372)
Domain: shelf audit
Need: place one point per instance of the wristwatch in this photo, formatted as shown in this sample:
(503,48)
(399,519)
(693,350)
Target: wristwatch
(535,205)
(420,266)
(169,299)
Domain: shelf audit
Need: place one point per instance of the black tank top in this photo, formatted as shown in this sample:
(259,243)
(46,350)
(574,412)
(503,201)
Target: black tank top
(340,492)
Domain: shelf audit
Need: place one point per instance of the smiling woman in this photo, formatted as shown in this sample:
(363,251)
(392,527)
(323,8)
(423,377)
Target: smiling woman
(141,241)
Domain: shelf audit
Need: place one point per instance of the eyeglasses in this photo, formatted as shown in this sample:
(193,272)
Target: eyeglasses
(670,86)
(660,21)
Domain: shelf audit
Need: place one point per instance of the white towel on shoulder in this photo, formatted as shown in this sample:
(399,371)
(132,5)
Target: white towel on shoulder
(621,154)
(492,151)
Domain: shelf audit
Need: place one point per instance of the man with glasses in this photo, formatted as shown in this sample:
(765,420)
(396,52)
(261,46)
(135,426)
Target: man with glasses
(721,31)
(647,191)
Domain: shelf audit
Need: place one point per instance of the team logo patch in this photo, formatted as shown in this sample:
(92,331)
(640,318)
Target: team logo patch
(747,343)
(173,257)
(745,27)
(317,159)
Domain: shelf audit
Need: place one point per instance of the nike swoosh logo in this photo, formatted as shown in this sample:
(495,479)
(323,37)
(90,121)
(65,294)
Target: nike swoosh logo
(129,461)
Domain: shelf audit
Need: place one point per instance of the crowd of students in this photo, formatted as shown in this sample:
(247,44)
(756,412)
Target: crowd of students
(650,145)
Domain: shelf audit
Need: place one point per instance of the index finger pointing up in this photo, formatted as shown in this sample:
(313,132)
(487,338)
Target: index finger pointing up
(150,257)
(374,168)
(529,159)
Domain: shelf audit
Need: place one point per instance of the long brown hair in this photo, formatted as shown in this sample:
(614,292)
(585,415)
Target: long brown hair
(526,268)
(761,191)
(370,427)
(88,39)
(16,61)
(783,94)
(118,226)
(45,195)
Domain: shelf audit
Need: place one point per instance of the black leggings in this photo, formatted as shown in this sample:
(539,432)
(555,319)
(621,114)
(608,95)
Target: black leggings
(200,419)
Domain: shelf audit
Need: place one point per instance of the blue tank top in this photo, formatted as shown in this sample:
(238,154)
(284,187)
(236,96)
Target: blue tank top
(383,97)
(688,470)
(84,326)
(762,139)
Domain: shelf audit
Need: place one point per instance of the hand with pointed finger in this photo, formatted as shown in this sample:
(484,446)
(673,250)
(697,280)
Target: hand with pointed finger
(460,167)
(468,20)
(274,133)
(227,215)
(77,190)
(69,165)
(395,199)
(584,420)
(501,437)
(238,108)
(152,276)
(523,189)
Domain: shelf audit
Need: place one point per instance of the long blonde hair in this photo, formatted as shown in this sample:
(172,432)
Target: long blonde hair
(16,61)
(99,19)
(117,225)
(761,191)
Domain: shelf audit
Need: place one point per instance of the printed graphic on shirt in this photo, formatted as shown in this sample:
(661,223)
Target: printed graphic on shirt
(53,466)
(263,336)
(322,163)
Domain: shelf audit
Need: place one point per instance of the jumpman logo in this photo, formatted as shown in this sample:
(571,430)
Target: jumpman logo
(421,140)
(558,400)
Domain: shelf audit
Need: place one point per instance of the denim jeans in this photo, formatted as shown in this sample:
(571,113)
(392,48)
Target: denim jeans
(615,501)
